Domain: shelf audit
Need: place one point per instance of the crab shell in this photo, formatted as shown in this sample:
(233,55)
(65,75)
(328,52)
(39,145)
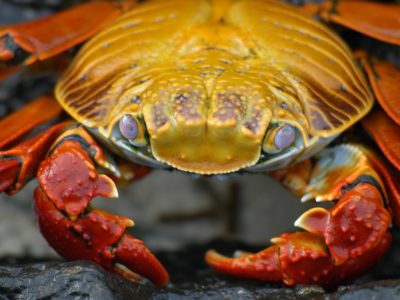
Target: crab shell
(209,85)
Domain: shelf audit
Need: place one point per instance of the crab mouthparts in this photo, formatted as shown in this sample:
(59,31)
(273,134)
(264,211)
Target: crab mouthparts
(213,144)
(206,152)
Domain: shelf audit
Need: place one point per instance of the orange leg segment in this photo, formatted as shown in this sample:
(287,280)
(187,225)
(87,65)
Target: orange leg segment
(377,20)
(46,37)
(18,124)
(340,243)
(19,164)
(386,134)
(20,155)
(384,78)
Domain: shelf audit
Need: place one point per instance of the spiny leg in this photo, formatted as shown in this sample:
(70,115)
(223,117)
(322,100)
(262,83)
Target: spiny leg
(339,243)
(69,180)
(40,39)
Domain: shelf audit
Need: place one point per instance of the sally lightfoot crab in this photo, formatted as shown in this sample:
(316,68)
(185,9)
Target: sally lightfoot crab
(210,87)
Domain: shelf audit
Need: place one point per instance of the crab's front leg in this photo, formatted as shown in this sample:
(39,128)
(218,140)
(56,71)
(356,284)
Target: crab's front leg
(26,43)
(69,180)
(339,243)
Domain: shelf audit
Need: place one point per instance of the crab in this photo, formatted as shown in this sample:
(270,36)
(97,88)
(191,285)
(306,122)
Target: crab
(211,87)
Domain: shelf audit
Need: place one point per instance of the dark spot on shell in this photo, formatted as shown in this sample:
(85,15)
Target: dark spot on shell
(285,106)
(279,88)
(135,99)
(84,76)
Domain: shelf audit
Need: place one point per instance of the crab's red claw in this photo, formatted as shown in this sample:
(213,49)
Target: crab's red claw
(296,258)
(340,243)
(100,237)
(68,182)
(263,265)
(132,254)
(300,257)
(355,225)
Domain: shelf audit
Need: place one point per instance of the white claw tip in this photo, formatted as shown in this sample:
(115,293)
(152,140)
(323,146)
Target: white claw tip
(297,223)
(306,197)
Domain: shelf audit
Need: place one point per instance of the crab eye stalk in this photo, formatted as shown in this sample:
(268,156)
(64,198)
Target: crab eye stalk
(132,130)
(279,138)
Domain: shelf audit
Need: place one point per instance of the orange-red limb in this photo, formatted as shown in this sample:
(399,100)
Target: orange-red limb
(384,78)
(354,231)
(264,265)
(19,164)
(19,123)
(7,71)
(386,134)
(8,173)
(392,185)
(377,20)
(68,182)
(46,37)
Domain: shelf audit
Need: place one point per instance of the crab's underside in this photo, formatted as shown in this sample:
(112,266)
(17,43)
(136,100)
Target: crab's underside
(211,87)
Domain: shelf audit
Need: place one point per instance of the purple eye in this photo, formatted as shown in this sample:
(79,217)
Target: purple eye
(284,136)
(129,127)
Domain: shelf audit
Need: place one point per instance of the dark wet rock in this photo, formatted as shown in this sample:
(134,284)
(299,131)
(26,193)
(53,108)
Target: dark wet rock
(85,280)
(382,290)
(40,4)
(190,279)
(65,280)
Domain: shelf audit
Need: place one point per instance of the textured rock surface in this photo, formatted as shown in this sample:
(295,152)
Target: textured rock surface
(71,280)
(190,279)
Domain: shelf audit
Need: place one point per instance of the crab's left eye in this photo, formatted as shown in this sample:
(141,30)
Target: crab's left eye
(132,130)
(279,138)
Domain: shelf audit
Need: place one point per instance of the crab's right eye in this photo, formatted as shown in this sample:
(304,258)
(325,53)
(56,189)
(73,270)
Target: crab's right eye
(132,130)
(284,136)
(279,138)
(128,127)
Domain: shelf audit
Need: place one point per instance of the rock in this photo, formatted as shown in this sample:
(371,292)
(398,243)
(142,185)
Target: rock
(65,280)
(190,279)
(382,290)
(85,280)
